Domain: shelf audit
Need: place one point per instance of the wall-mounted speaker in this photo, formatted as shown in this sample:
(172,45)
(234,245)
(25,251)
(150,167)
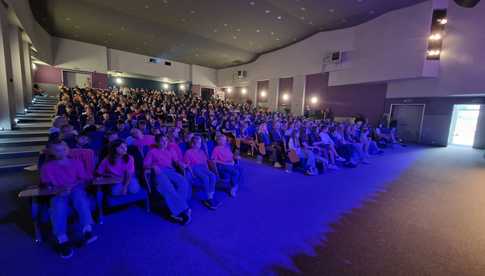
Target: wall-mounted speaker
(467,3)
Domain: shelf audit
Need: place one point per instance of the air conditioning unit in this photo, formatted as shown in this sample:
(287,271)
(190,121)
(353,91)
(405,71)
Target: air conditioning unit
(334,58)
(240,74)
(153,60)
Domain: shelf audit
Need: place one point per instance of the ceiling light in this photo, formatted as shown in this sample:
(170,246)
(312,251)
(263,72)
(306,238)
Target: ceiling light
(436,36)
(372,12)
(252,3)
(443,21)
(303,8)
(279,17)
(234,37)
(215,30)
(119,81)
(147,7)
(267,11)
(286,97)
(68,19)
(314,100)
(434,53)
(244,91)
(331,10)
(258,30)
(263,94)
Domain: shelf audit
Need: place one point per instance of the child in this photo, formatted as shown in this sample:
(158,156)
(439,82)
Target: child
(196,159)
(119,164)
(68,176)
(224,160)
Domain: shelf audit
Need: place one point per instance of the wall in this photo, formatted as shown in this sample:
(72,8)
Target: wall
(76,55)
(47,74)
(100,80)
(135,64)
(285,86)
(206,77)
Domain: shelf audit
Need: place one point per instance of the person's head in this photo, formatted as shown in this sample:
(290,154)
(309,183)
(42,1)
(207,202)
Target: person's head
(196,142)
(117,149)
(136,133)
(82,139)
(58,149)
(161,141)
(111,136)
(221,140)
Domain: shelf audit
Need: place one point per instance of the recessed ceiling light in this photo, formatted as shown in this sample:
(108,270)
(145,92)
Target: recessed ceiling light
(277,39)
(311,22)
(258,30)
(238,30)
(331,10)
(192,12)
(147,7)
(68,18)
(165,1)
(303,8)
(234,37)
(267,11)
(225,25)
(302,18)
(372,12)
(279,17)
(272,33)
(252,3)
(215,30)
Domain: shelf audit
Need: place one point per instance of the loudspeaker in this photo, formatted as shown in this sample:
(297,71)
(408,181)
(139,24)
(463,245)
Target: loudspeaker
(467,3)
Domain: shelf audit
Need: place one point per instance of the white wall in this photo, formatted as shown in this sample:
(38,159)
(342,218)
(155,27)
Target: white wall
(462,66)
(374,50)
(76,55)
(203,76)
(135,64)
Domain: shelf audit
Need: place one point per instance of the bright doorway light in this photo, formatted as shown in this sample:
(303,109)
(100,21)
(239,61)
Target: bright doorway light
(119,81)
(464,124)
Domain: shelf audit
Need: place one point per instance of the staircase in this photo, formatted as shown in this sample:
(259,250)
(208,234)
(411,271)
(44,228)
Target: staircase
(20,147)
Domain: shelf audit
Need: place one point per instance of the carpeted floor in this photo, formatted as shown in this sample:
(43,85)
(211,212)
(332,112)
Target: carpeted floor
(414,211)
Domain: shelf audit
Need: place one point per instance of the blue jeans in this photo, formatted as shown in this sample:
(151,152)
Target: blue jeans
(59,210)
(207,178)
(231,172)
(310,158)
(133,187)
(175,189)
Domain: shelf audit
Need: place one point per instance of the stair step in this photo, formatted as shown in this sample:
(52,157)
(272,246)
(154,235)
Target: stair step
(40,112)
(33,115)
(33,119)
(42,105)
(17,163)
(22,141)
(23,133)
(33,126)
(40,108)
(20,151)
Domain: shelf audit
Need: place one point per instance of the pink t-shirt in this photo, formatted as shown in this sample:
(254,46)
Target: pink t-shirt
(146,140)
(63,173)
(176,150)
(222,153)
(86,156)
(159,158)
(195,157)
(118,169)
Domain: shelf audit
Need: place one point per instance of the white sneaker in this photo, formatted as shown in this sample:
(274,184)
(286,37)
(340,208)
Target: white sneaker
(340,159)
(278,165)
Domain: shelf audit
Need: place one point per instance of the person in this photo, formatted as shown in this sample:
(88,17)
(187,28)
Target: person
(120,165)
(196,159)
(171,185)
(226,166)
(303,152)
(68,177)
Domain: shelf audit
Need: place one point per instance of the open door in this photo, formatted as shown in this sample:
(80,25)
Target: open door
(408,119)
(464,124)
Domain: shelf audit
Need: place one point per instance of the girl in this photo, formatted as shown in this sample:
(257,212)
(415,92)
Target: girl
(224,160)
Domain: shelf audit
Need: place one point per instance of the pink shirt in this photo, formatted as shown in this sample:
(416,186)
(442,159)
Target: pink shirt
(86,156)
(146,140)
(63,173)
(176,150)
(159,158)
(195,157)
(118,169)
(223,154)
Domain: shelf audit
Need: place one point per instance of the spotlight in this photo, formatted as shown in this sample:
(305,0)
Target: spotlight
(443,21)
(263,94)
(436,36)
(244,91)
(119,81)
(314,100)
(286,97)
(434,53)
(182,87)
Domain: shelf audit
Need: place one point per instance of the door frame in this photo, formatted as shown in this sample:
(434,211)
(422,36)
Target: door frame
(420,132)
(454,118)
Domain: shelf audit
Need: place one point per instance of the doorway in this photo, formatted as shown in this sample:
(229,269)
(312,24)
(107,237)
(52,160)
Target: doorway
(79,79)
(464,124)
(408,120)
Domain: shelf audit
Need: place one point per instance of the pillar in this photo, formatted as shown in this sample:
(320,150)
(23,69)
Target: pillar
(18,72)
(7,112)
(28,73)
(298,95)
(273,93)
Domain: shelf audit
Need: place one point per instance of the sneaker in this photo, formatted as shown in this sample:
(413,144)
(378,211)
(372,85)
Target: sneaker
(233,192)
(89,237)
(333,167)
(65,250)
(340,159)
(210,203)
(177,219)
(277,165)
(186,218)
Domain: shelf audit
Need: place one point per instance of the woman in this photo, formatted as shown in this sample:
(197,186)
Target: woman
(119,164)
(196,159)
(171,185)
(303,152)
(224,160)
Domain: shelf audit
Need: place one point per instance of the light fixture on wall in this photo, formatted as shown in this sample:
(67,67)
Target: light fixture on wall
(34,66)
(165,86)
(263,94)
(286,97)
(314,100)
(229,90)
(434,53)
(244,91)
(119,81)
(182,87)
(435,36)
(443,21)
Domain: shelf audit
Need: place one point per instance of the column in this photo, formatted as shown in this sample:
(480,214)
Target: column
(7,112)
(298,95)
(18,73)
(252,92)
(28,73)
(273,92)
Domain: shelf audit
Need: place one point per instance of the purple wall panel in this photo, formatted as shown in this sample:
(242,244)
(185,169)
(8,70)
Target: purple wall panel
(100,80)
(262,86)
(47,74)
(285,87)
(347,100)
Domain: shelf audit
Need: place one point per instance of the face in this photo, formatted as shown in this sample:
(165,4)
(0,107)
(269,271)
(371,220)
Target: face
(112,137)
(83,140)
(163,142)
(222,140)
(59,151)
(197,144)
(121,150)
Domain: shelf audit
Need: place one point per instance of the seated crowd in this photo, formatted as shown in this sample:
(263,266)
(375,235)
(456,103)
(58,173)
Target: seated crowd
(144,138)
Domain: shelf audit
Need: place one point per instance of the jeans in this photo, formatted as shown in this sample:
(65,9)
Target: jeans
(310,158)
(207,178)
(175,190)
(133,187)
(59,210)
(232,172)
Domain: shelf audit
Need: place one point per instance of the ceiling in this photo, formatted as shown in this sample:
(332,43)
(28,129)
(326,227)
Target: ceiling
(212,33)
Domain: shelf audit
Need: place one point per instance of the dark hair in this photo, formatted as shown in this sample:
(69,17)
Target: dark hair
(112,152)
(194,139)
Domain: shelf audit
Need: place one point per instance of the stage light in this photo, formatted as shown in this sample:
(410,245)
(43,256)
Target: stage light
(165,86)
(436,36)
(263,94)
(244,91)
(119,81)
(286,97)
(314,100)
